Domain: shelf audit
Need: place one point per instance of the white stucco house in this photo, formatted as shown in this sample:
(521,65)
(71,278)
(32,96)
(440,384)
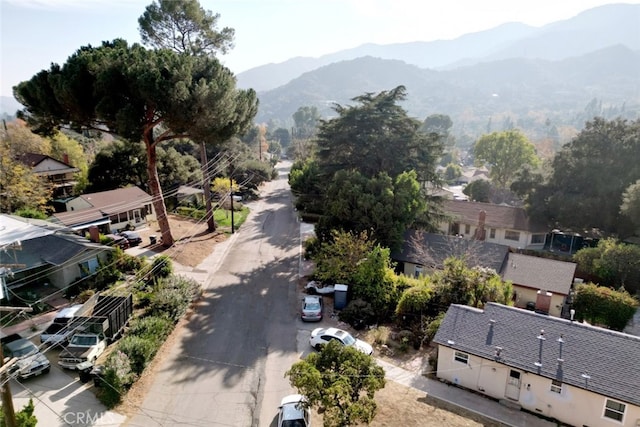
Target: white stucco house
(572,372)
(110,211)
(505,225)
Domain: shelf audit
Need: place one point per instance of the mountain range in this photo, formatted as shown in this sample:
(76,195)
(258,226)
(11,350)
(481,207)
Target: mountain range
(546,81)
(560,73)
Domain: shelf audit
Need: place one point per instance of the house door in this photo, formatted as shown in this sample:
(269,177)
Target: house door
(512,391)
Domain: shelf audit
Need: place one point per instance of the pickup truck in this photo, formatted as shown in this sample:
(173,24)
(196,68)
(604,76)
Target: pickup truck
(82,351)
(58,332)
(30,361)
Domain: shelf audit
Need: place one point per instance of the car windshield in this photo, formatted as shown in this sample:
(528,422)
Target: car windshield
(294,423)
(347,339)
(20,348)
(84,340)
(312,305)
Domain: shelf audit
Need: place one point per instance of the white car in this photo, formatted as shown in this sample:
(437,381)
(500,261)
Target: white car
(321,336)
(293,412)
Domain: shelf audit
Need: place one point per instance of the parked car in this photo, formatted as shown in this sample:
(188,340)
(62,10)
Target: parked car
(58,332)
(118,240)
(132,237)
(82,351)
(293,412)
(30,361)
(312,308)
(322,336)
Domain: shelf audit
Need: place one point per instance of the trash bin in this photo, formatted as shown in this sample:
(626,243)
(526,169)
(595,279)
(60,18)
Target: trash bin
(85,376)
(97,373)
(153,239)
(340,296)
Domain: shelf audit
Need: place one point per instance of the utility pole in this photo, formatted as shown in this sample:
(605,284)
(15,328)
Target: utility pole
(5,390)
(7,400)
(231,194)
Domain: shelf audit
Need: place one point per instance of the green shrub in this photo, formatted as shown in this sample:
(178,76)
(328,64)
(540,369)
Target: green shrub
(140,351)
(116,379)
(161,266)
(173,296)
(151,328)
(358,313)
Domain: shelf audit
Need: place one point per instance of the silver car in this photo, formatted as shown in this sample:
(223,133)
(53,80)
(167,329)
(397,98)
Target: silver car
(311,308)
(293,412)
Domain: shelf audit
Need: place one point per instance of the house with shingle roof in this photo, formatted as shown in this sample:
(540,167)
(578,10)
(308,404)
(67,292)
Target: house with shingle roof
(540,283)
(38,252)
(110,211)
(505,225)
(572,372)
(422,253)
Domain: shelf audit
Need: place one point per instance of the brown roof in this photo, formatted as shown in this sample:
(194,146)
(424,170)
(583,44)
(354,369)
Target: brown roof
(498,216)
(539,273)
(119,200)
(104,204)
(32,159)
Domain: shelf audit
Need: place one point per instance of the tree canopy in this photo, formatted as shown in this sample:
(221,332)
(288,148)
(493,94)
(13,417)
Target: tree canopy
(376,136)
(505,153)
(184,26)
(584,189)
(342,380)
(138,94)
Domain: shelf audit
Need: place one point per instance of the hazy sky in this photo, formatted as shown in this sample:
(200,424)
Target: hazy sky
(35,33)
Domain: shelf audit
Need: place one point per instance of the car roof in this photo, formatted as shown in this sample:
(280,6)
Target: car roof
(69,311)
(335,332)
(291,410)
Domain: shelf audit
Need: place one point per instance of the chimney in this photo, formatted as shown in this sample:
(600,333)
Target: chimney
(481,234)
(94,234)
(65,158)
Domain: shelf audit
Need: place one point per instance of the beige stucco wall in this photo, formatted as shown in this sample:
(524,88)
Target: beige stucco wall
(525,295)
(524,242)
(70,271)
(574,406)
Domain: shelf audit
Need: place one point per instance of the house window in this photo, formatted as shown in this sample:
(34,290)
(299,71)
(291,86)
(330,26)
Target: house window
(461,357)
(537,239)
(556,386)
(467,229)
(512,235)
(492,233)
(418,271)
(614,410)
(88,267)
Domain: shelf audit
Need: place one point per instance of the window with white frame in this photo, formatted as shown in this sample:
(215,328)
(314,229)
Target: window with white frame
(467,229)
(556,386)
(492,233)
(512,235)
(461,357)
(614,410)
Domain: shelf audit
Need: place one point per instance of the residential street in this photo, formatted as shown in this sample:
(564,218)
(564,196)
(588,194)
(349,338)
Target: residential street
(227,367)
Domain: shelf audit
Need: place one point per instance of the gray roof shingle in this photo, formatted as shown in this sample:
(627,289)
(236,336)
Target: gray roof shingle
(431,250)
(539,273)
(608,358)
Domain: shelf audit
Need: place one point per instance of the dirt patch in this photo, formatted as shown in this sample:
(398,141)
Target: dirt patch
(193,241)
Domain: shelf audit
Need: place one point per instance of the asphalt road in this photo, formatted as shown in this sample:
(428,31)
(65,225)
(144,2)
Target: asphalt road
(227,368)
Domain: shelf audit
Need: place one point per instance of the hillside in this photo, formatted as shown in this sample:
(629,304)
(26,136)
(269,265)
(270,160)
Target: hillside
(527,91)
(591,30)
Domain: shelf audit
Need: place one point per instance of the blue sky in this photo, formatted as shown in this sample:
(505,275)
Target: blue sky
(36,33)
